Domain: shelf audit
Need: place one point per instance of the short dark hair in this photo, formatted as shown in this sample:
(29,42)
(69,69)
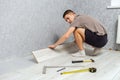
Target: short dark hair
(67,12)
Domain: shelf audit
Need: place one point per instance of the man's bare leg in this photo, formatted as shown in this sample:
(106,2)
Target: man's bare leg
(79,35)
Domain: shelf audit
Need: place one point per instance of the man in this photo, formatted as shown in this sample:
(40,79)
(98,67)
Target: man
(85,29)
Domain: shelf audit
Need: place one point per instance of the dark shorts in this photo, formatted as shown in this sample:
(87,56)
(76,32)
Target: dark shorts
(95,40)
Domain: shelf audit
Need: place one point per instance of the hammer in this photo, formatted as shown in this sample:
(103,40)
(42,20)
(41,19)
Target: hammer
(91,60)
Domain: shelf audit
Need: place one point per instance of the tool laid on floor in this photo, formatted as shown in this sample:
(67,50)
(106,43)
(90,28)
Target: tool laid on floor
(45,67)
(92,70)
(91,60)
(61,69)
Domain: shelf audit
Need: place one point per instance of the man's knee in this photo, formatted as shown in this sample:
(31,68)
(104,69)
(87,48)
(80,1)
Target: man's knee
(80,32)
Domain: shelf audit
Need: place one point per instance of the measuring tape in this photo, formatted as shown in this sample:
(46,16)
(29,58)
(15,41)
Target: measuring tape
(92,70)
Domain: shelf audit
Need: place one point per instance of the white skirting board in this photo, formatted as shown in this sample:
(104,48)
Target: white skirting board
(118,31)
(45,54)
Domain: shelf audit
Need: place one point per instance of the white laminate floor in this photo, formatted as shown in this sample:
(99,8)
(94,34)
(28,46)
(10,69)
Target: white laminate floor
(26,68)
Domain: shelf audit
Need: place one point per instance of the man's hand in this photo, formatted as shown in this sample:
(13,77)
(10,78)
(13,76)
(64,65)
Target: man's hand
(52,46)
(63,38)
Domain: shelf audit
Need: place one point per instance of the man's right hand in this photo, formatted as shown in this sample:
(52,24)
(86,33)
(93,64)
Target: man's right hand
(52,46)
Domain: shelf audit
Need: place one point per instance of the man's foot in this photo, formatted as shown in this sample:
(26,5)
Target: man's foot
(79,54)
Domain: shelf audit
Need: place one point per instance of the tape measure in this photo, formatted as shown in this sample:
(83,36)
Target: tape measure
(92,70)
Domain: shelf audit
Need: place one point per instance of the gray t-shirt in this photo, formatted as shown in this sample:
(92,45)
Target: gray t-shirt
(87,22)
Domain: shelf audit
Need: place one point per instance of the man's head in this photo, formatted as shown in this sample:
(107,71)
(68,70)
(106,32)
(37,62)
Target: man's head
(69,16)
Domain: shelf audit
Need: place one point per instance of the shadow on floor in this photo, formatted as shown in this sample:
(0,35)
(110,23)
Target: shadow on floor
(72,48)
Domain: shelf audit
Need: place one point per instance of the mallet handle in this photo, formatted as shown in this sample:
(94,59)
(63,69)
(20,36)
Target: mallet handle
(77,61)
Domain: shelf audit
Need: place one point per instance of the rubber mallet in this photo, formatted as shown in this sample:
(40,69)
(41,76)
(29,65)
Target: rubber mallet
(80,61)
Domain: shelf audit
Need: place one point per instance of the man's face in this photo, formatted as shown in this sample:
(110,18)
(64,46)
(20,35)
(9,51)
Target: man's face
(69,18)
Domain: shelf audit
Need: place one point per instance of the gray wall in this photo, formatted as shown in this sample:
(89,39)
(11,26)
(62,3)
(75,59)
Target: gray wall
(27,25)
(98,9)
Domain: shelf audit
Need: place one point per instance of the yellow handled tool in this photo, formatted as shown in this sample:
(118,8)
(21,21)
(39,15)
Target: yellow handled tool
(91,60)
(92,70)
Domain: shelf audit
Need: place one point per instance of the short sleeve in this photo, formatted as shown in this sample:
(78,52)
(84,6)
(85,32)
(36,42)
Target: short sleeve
(75,23)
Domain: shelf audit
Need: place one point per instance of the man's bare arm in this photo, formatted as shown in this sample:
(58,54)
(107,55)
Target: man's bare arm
(63,38)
